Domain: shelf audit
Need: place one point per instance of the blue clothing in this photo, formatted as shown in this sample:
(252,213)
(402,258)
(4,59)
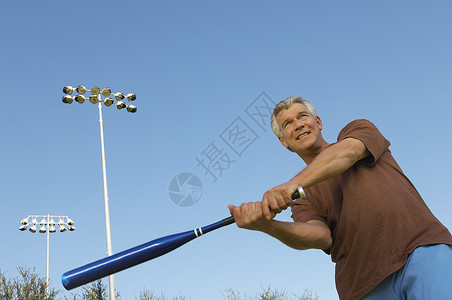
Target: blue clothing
(426,275)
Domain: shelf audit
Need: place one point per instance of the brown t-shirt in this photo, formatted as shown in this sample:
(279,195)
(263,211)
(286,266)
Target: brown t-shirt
(376,216)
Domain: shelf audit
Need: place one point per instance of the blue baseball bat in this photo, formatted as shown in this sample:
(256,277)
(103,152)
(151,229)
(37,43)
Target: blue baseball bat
(139,254)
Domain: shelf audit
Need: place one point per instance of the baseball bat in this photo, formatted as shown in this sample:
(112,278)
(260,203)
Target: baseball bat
(139,254)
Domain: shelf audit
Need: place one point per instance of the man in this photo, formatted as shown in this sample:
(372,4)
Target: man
(359,207)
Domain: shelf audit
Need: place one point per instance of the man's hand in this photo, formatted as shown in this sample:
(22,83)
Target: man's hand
(249,215)
(278,199)
(313,234)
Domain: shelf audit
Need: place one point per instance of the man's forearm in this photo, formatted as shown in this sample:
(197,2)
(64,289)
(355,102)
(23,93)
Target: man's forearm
(331,162)
(300,236)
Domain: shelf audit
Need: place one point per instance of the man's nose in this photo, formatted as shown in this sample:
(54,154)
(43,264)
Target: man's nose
(298,124)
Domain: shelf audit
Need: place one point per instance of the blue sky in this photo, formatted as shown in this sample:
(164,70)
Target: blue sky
(197,68)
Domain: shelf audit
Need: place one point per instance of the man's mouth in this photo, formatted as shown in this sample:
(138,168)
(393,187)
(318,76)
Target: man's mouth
(302,135)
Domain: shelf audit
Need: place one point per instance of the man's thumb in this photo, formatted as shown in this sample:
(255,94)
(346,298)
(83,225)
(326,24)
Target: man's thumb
(231,208)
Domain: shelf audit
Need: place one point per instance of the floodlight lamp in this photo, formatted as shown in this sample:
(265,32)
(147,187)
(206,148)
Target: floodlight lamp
(62,228)
(108,101)
(81,89)
(34,221)
(24,221)
(120,105)
(42,229)
(131,97)
(71,228)
(23,227)
(131,108)
(60,222)
(68,90)
(95,90)
(119,96)
(70,222)
(67,99)
(52,222)
(106,92)
(52,229)
(43,222)
(93,99)
(33,228)
(80,99)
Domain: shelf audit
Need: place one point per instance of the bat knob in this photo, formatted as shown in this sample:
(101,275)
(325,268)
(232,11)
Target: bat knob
(299,194)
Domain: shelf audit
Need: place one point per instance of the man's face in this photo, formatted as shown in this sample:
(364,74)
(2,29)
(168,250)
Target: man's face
(300,131)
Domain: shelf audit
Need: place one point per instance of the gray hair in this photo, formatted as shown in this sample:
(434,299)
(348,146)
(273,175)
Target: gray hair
(286,104)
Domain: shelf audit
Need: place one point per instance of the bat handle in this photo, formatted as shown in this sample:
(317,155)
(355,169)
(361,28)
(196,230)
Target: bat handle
(228,221)
(299,194)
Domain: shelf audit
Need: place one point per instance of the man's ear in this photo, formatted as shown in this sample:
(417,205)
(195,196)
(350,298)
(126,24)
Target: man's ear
(283,142)
(319,122)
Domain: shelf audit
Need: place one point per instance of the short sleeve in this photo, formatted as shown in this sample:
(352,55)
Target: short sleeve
(307,210)
(369,135)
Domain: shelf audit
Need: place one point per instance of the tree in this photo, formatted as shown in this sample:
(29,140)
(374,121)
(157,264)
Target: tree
(269,294)
(95,291)
(27,286)
(146,294)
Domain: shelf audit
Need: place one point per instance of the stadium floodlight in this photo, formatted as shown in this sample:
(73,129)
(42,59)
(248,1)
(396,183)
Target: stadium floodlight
(80,99)
(68,90)
(110,99)
(131,108)
(131,97)
(120,105)
(47,225)
(81,89)
(95,90)
(106,92)
(67,99)
(119,96)
(93,99)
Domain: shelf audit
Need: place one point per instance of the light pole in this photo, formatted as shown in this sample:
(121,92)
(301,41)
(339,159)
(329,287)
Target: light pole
(94,98)
(47,225)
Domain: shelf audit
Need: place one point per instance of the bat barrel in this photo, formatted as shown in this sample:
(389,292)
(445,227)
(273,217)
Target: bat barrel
(134,256)
(125,259)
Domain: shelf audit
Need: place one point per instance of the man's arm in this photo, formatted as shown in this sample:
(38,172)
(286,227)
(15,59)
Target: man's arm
(313,234)
(329,163)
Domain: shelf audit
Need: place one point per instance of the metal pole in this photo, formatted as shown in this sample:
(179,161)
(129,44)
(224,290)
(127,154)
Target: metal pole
(48,239)
(107,211)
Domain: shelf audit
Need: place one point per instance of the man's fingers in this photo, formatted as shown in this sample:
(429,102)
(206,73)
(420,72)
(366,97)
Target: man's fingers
(268,214)
(231,208)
